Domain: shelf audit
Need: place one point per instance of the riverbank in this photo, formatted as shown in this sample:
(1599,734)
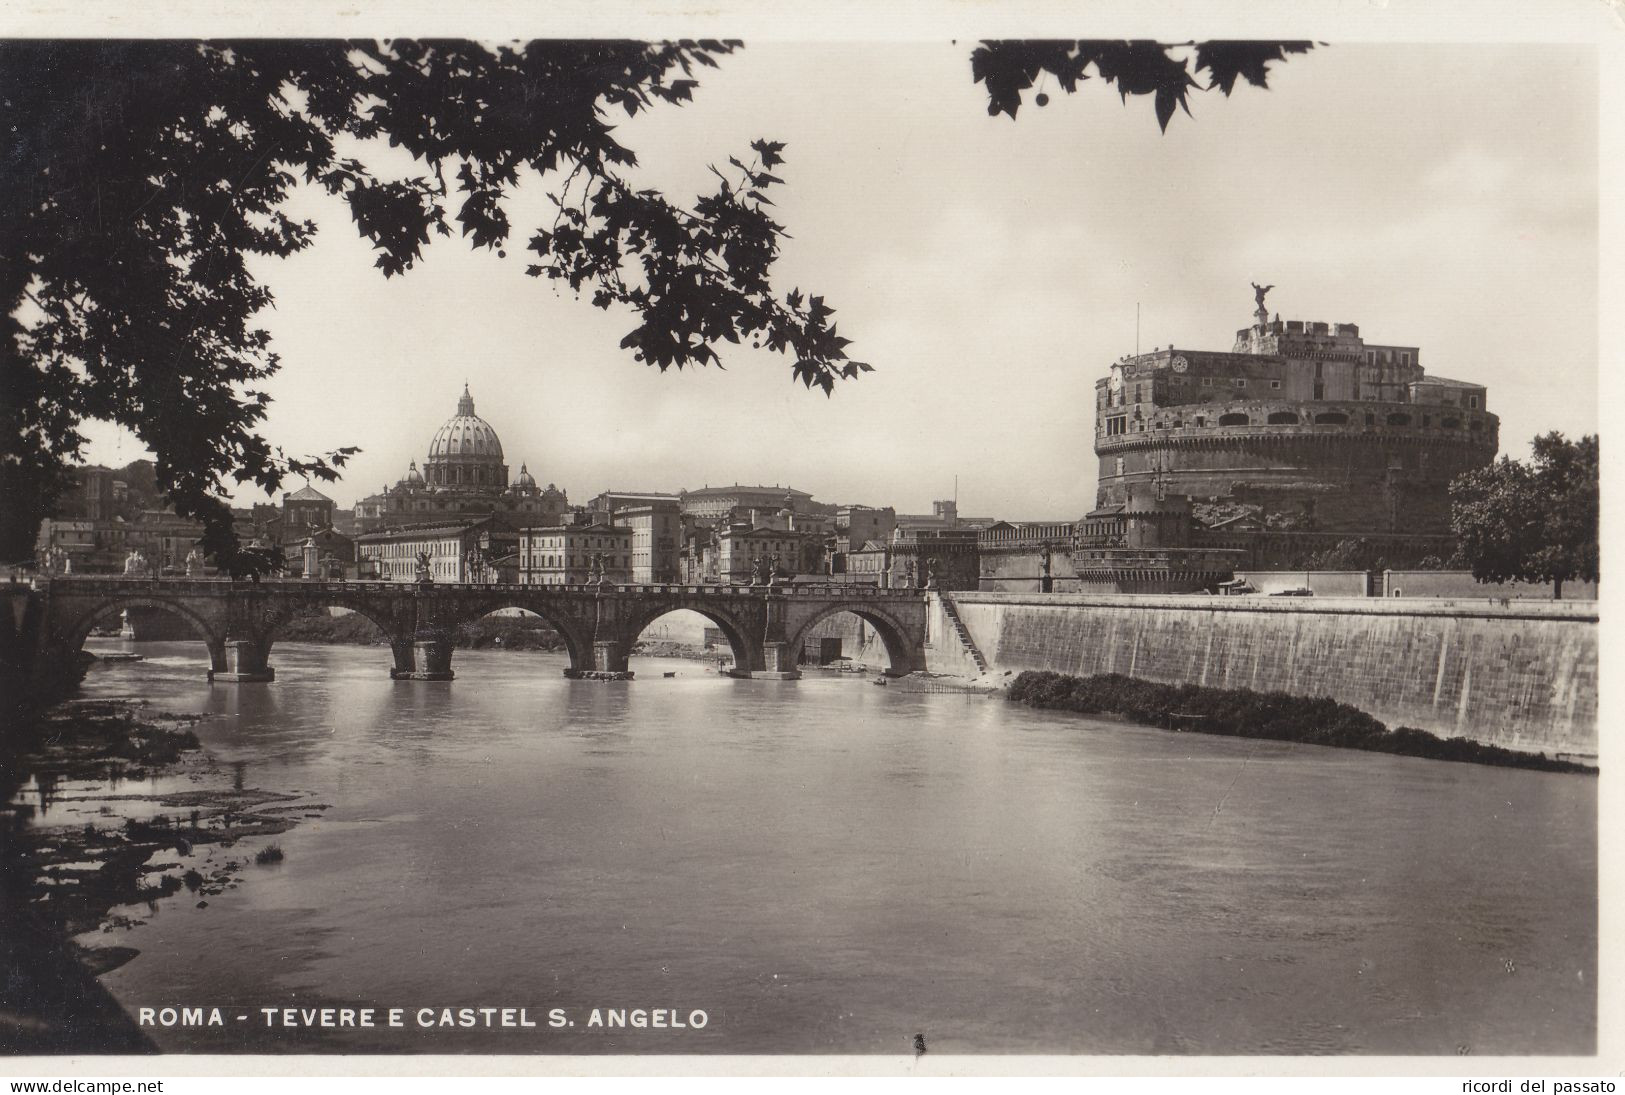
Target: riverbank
(1274,716)
(108,808)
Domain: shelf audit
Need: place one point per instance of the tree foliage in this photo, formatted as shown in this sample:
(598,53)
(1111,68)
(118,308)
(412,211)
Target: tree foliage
(1355,553)
(1535,521)
(141,177)
(1141,68)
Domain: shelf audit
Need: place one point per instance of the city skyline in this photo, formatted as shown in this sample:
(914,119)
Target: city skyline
(990,300)
(1249,711)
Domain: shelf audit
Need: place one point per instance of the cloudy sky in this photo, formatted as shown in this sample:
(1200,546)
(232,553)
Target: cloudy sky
(1444,196)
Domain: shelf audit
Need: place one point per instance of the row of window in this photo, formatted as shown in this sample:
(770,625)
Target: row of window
(408,549)
(1387,355)
(571,560)
(1118,424)
(555,542)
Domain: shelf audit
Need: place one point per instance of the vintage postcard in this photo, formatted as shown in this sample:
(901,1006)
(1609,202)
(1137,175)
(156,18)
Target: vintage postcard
(1059,539)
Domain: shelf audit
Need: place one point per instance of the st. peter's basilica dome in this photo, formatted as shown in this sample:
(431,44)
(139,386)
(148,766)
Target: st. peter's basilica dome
(465,452)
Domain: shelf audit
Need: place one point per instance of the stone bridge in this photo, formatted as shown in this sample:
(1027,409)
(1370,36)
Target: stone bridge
(240,621)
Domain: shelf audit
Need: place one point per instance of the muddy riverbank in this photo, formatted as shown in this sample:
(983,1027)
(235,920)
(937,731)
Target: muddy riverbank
(109,807)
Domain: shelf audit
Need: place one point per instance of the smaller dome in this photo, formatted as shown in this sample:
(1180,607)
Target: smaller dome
(525,480)
(413,475)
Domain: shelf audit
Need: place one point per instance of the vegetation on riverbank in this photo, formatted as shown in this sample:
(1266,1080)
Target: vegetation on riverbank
(1241,712)
(492,632)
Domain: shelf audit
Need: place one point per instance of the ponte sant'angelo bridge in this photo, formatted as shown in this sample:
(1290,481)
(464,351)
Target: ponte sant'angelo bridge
(240,621)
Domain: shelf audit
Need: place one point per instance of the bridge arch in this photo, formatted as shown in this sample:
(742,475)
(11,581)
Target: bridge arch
(745,653)
(903,645)
(395,626)
(392,626)
(577,638)
(73,635)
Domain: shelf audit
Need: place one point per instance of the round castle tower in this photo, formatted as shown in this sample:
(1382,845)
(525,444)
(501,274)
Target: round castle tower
(1299,427)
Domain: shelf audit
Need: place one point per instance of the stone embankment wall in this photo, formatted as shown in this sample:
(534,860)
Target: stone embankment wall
(1522,675)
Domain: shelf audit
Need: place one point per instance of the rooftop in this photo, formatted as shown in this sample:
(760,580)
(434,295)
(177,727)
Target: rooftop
(709,491)
(597,529)
(412,532)
(1446,382)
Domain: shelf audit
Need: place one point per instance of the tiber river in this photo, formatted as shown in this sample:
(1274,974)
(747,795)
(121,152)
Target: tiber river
(826,866)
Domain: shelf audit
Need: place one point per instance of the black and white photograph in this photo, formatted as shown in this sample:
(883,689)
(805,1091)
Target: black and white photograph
(709,536)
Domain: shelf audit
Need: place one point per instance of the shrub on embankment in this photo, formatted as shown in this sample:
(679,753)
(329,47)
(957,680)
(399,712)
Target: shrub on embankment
(354,628)
(1243,713)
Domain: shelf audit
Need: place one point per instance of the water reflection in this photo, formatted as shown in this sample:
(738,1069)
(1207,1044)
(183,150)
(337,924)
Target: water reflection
(827,866)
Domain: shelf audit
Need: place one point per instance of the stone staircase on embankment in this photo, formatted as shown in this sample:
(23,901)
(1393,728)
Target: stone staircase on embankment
(952,612)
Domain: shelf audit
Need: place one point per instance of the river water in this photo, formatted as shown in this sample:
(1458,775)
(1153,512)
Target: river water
(825,866)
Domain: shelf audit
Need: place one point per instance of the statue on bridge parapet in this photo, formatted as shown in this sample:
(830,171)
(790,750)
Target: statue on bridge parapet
(931,572)
(773,567)
(425,576)
(908,574)
(135,564)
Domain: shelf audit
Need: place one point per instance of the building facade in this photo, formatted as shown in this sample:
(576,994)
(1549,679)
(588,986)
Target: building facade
(745,555)
(306,508)
(935,558)
(568,555)
(463,551)
(857,525)
(656,535)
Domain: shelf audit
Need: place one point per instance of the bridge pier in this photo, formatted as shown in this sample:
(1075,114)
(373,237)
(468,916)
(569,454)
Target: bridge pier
(778,663)
(405,662)
(431,658)
(241,661)
(609,663)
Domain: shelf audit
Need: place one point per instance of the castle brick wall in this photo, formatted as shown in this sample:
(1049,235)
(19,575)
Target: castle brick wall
(1344,479)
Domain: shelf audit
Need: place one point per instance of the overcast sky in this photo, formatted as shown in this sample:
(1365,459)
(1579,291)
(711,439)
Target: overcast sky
(1443,196)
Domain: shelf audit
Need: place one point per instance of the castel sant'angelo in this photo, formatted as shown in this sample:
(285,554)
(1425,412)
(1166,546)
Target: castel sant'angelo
(1302,436)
